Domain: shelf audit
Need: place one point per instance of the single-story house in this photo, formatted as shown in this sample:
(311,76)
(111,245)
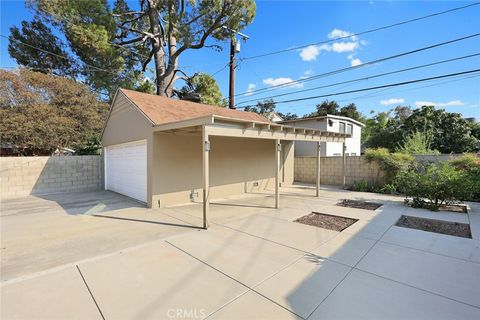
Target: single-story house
(329,123)
(164,151)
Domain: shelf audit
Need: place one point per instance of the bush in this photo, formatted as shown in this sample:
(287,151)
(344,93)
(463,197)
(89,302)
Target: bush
(418,143)
(390,163)
(433,185)
(470,164)
(364,186)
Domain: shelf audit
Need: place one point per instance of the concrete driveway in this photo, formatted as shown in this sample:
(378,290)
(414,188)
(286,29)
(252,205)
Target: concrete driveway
(255,263)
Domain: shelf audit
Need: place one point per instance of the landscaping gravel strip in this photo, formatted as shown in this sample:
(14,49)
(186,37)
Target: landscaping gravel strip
(326,221)
(438,226)
(359,204)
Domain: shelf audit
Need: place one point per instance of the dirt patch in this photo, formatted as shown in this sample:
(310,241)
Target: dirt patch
(326,221)
(359,204)
(438,226)
(454,208)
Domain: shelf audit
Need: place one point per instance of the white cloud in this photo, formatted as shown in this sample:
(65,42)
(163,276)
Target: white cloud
(392,101)
(344,46)
(308,72)
(250,88)
(354,61)
(453,103)
(337,33)
(282,81)
(310,53)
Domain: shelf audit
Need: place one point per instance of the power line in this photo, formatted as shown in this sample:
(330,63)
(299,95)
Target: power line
(361,65)
(376,87)
(55,54)
(366,78)
(363,32)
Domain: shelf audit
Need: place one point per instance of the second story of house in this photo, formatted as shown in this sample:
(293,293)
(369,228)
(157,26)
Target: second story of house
(332,123)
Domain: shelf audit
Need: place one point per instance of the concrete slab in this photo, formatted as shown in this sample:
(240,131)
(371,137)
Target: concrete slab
(345,248)
(365,296)
(456,247)
(368,229)
(36,242)
(302,286)
(253,306)
(292,234)
(474,218)
(156,281)
(59,295)
(246,258)
(449,277)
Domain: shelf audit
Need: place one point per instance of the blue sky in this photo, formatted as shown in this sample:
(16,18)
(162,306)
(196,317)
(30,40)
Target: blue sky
(285,24)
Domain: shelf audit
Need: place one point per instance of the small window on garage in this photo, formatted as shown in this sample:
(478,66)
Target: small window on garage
(336,154)
(349,128)
(341,127)
(353,154)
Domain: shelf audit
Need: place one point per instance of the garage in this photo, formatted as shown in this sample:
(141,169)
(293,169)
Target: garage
(126,169)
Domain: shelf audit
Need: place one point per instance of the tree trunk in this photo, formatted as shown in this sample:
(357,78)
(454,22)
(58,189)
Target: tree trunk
(158,53)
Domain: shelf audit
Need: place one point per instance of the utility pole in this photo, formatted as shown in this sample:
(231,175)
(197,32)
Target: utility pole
(234,48)
(231,87)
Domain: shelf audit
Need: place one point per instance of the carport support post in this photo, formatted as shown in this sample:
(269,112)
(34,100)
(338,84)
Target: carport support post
(344,163)
(206,182)
(278,149)
(317,189)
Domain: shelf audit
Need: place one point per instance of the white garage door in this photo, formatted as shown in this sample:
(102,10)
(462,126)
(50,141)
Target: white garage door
(126,169)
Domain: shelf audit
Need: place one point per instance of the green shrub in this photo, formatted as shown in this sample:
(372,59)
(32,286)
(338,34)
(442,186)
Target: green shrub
(470,164)
(433,185)
(418,143)
(364,186)
(390,163)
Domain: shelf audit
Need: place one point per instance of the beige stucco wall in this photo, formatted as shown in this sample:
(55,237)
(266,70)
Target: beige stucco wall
(235,165)
(357,168)
(125,123)
(21,176)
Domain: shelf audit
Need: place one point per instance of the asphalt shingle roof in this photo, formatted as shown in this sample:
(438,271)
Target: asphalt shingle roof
(162,110)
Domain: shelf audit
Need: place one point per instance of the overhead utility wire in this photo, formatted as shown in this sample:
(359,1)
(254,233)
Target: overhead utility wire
(286,84)
(363,32)
(376,87)
(365,78)
(55,54)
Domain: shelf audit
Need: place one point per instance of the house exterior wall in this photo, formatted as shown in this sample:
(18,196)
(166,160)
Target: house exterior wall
(125,124)
(327,149)
(237,165)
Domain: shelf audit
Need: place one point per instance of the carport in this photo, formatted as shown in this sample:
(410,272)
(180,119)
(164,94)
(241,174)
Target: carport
(158,151)
(220,126)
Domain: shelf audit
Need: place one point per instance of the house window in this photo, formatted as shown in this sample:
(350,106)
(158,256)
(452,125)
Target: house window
(341,127)
(349,128)
(336,154)
(353,154)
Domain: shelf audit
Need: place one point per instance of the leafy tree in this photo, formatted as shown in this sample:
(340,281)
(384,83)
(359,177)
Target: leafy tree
(40,113)
(450,131)
(35,34)
(418,143)
(202,88)
(171,27)
(333,108)
(267,107)
(288,116)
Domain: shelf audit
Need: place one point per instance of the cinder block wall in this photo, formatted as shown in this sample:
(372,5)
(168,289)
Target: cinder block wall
(21,176)
(357,168)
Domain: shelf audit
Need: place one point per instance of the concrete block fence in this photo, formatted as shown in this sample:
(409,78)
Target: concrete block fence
(357,168)
(21,176)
